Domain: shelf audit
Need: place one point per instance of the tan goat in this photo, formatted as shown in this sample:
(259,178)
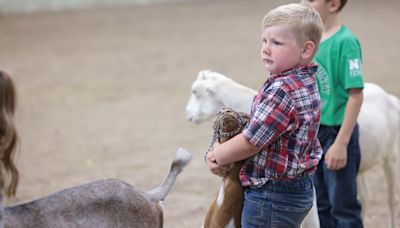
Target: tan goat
(102,204)
(226,210)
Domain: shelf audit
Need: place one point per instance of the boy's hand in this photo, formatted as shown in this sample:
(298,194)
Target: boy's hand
(336,157)
(214,167)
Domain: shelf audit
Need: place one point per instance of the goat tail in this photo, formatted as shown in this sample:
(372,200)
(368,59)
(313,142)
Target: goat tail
(396,104)
(182,158)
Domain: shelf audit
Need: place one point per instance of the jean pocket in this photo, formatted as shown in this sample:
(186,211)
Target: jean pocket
(253,214)
(289,215)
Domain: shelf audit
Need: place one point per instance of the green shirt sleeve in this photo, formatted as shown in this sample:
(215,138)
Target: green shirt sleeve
(351,70)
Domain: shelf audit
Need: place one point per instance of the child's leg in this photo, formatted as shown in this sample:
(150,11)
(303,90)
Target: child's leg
(278,204)
(323,204)
(337,190)
(326,136)
(342,191)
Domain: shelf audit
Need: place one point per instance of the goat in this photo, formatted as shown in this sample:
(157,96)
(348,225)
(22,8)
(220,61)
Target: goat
(226,210)
(102,203)
(378,121)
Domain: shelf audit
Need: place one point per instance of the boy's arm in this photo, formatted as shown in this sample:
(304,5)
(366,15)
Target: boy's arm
(235,149)
(336,157)
(214,167)
(271,119)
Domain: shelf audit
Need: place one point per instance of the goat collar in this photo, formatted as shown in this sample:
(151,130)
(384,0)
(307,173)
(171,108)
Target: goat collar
(217,131)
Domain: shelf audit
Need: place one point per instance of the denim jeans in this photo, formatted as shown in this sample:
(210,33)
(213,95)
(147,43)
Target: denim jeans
(337,201)
(278,203)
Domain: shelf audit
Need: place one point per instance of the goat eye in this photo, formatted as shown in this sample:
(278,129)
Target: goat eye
(196,94)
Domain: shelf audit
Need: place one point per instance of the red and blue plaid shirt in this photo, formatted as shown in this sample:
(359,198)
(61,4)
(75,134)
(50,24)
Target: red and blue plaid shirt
(284,123)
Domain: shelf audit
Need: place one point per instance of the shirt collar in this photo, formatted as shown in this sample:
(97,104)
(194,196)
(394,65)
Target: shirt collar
(302,70)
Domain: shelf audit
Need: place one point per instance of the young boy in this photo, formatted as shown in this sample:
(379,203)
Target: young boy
(280,142)
(340,83)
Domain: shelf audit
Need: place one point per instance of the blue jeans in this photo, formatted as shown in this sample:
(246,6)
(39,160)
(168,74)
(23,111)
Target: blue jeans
(337,201)
(278,203)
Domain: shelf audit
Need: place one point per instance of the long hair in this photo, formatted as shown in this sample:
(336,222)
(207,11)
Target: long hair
(9,175)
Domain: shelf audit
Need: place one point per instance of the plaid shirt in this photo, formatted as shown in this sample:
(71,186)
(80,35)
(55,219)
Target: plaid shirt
(284,123)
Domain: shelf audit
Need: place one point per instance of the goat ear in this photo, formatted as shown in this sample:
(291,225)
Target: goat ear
(210,91)
(203,75)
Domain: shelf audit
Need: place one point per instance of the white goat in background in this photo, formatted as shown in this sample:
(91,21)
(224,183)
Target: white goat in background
(378,120)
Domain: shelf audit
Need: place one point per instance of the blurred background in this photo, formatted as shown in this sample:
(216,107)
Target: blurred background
(18,6)
(103,85)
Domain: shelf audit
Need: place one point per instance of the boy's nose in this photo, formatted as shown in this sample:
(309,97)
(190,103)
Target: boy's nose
(265,50)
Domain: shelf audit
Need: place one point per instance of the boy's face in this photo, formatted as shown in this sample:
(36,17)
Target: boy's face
(280,50)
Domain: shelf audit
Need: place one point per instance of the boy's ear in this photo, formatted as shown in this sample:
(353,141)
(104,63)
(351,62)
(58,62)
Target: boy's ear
(308,50)
(334,5)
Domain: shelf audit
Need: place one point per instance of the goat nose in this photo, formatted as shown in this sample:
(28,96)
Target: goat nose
(192,119)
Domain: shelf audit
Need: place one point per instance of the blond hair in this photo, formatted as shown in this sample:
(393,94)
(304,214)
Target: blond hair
(304,21)
(9,175)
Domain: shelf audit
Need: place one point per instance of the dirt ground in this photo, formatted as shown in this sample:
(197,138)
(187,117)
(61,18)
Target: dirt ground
(102,92)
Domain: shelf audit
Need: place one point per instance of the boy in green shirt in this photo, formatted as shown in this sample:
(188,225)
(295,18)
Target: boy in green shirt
(340,83)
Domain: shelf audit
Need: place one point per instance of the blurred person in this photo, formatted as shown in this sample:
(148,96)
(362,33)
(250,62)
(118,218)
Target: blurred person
(340,83)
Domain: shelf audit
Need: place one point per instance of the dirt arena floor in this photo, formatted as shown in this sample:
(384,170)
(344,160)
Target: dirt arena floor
(102,92)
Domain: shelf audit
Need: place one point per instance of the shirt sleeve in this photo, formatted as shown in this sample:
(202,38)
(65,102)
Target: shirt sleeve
(273,116)
(351,65)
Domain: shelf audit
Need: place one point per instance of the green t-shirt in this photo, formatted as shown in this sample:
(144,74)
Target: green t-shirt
(340,68)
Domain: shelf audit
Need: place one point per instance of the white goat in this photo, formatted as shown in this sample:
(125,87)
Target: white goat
(103,203)
(378,120)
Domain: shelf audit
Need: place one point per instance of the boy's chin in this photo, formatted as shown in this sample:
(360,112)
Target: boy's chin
(272,71)
(269,69)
